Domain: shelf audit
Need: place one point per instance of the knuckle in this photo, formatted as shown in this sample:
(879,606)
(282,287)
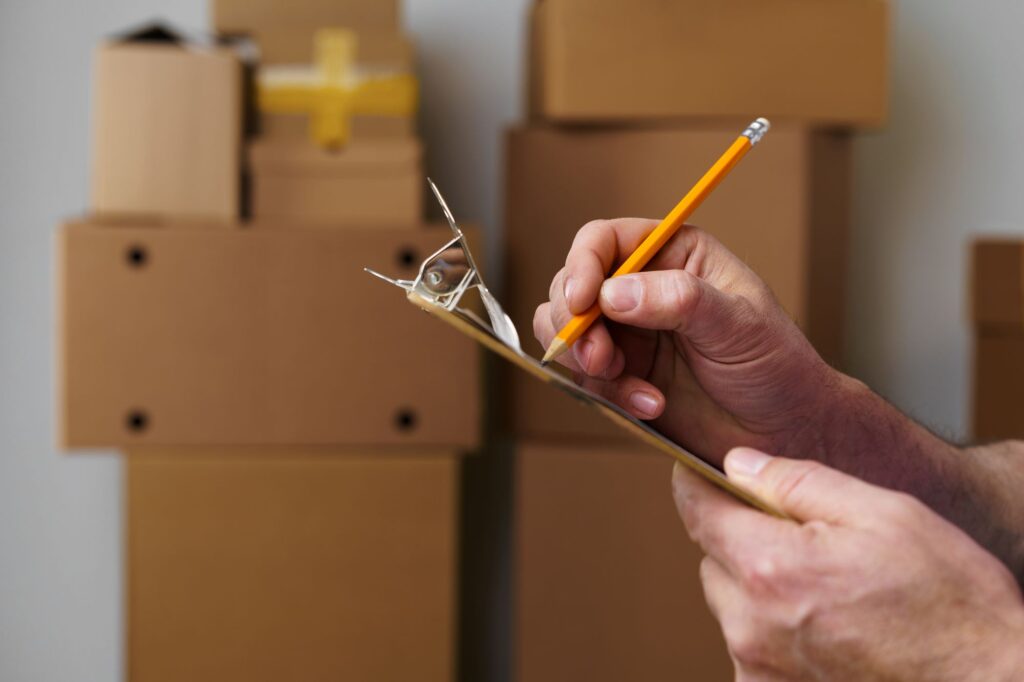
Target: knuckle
(592,228)
(798,478)
(540,316)
(762,575)
(902,508)
(556,284)
(747,647)
(683,292)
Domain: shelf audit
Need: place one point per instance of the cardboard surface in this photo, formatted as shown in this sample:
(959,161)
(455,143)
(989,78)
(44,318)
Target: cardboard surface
(605,580)
(167,131)
(998,284)
(784,210)
(377,181)
(601,60)
(256,336)
(290,566)
(284,31)
(998,385)
(294,128)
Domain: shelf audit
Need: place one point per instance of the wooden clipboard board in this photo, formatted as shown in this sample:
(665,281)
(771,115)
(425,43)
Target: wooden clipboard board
(610,411)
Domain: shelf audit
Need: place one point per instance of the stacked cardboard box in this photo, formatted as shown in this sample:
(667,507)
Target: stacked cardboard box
(998,318)
(294,431)
(630,103)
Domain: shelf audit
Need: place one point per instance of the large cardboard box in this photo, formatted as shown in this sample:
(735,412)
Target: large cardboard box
(291,565)
(784,210)
(601,60)
(998,284)
(376,181)
(167,131)
(998,385)
(605,579)
(257,336)
(998,318)
(285,30)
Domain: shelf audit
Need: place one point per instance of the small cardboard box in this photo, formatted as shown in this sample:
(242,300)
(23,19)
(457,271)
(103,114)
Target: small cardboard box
(784,210)
(291,565)
(284,31)
(604,60)
(168,127)
(258,336)
(378,181)
(605,579)
(998,284)
(998,385)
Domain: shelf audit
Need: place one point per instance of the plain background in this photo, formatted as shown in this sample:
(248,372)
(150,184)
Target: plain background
(947,167)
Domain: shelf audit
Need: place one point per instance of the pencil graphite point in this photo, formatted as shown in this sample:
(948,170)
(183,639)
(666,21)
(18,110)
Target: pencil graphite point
(557,347)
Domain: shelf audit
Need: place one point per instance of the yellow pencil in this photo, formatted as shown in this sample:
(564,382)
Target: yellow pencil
(658,237)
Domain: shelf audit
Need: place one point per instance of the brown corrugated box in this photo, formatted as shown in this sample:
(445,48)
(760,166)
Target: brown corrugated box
(261,336)
(998,284)
(618,60)
(290,565)
(377,181)
(167,131)
(605,579)
(284,30)
(784,210)
(998,385)
(998,318)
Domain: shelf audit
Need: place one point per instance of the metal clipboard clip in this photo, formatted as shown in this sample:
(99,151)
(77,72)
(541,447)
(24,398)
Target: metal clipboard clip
(449,274)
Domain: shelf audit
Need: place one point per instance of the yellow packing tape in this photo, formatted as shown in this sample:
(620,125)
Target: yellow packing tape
(336,92)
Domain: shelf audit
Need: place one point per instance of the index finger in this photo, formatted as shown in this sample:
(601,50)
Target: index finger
(598,246)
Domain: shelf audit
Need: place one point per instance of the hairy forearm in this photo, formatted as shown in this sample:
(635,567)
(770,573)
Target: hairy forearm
(980,489)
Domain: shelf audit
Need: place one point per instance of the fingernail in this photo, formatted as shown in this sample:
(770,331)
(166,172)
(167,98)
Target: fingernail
(622,294)
(745,462)
(570,284)
(644,403)
(583,351)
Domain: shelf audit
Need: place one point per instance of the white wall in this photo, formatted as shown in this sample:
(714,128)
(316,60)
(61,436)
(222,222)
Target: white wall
(947,166)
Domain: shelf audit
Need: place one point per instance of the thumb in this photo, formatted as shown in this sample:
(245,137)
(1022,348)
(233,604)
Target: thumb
(676,300)
(804,489)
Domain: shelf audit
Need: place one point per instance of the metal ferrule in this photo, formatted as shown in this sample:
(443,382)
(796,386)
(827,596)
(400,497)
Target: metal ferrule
(757,130)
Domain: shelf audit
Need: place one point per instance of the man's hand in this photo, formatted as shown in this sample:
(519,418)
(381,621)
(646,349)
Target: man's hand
(871,585)
(697,342)
(698,345)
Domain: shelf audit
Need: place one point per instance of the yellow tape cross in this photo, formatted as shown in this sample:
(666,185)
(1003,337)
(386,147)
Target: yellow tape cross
(336,93)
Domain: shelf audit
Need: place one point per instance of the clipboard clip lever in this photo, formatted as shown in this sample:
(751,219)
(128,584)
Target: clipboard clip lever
(448,274)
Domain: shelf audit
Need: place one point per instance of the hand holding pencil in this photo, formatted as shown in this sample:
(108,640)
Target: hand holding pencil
(695,343)
(668,227)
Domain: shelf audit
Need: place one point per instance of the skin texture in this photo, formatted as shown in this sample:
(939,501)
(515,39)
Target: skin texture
(698,345)
(870,586)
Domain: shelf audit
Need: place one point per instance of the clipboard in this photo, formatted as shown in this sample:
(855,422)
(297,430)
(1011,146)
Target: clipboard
(443,283)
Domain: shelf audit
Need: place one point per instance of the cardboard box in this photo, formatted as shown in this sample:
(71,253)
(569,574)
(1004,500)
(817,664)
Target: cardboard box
(998,385)
(605,579)
(377,181)
(168,126)
(998,284)
(293,129)
(378,50)
(284,31)
(784,210)
(291,566)
(619,60)
(260,336)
